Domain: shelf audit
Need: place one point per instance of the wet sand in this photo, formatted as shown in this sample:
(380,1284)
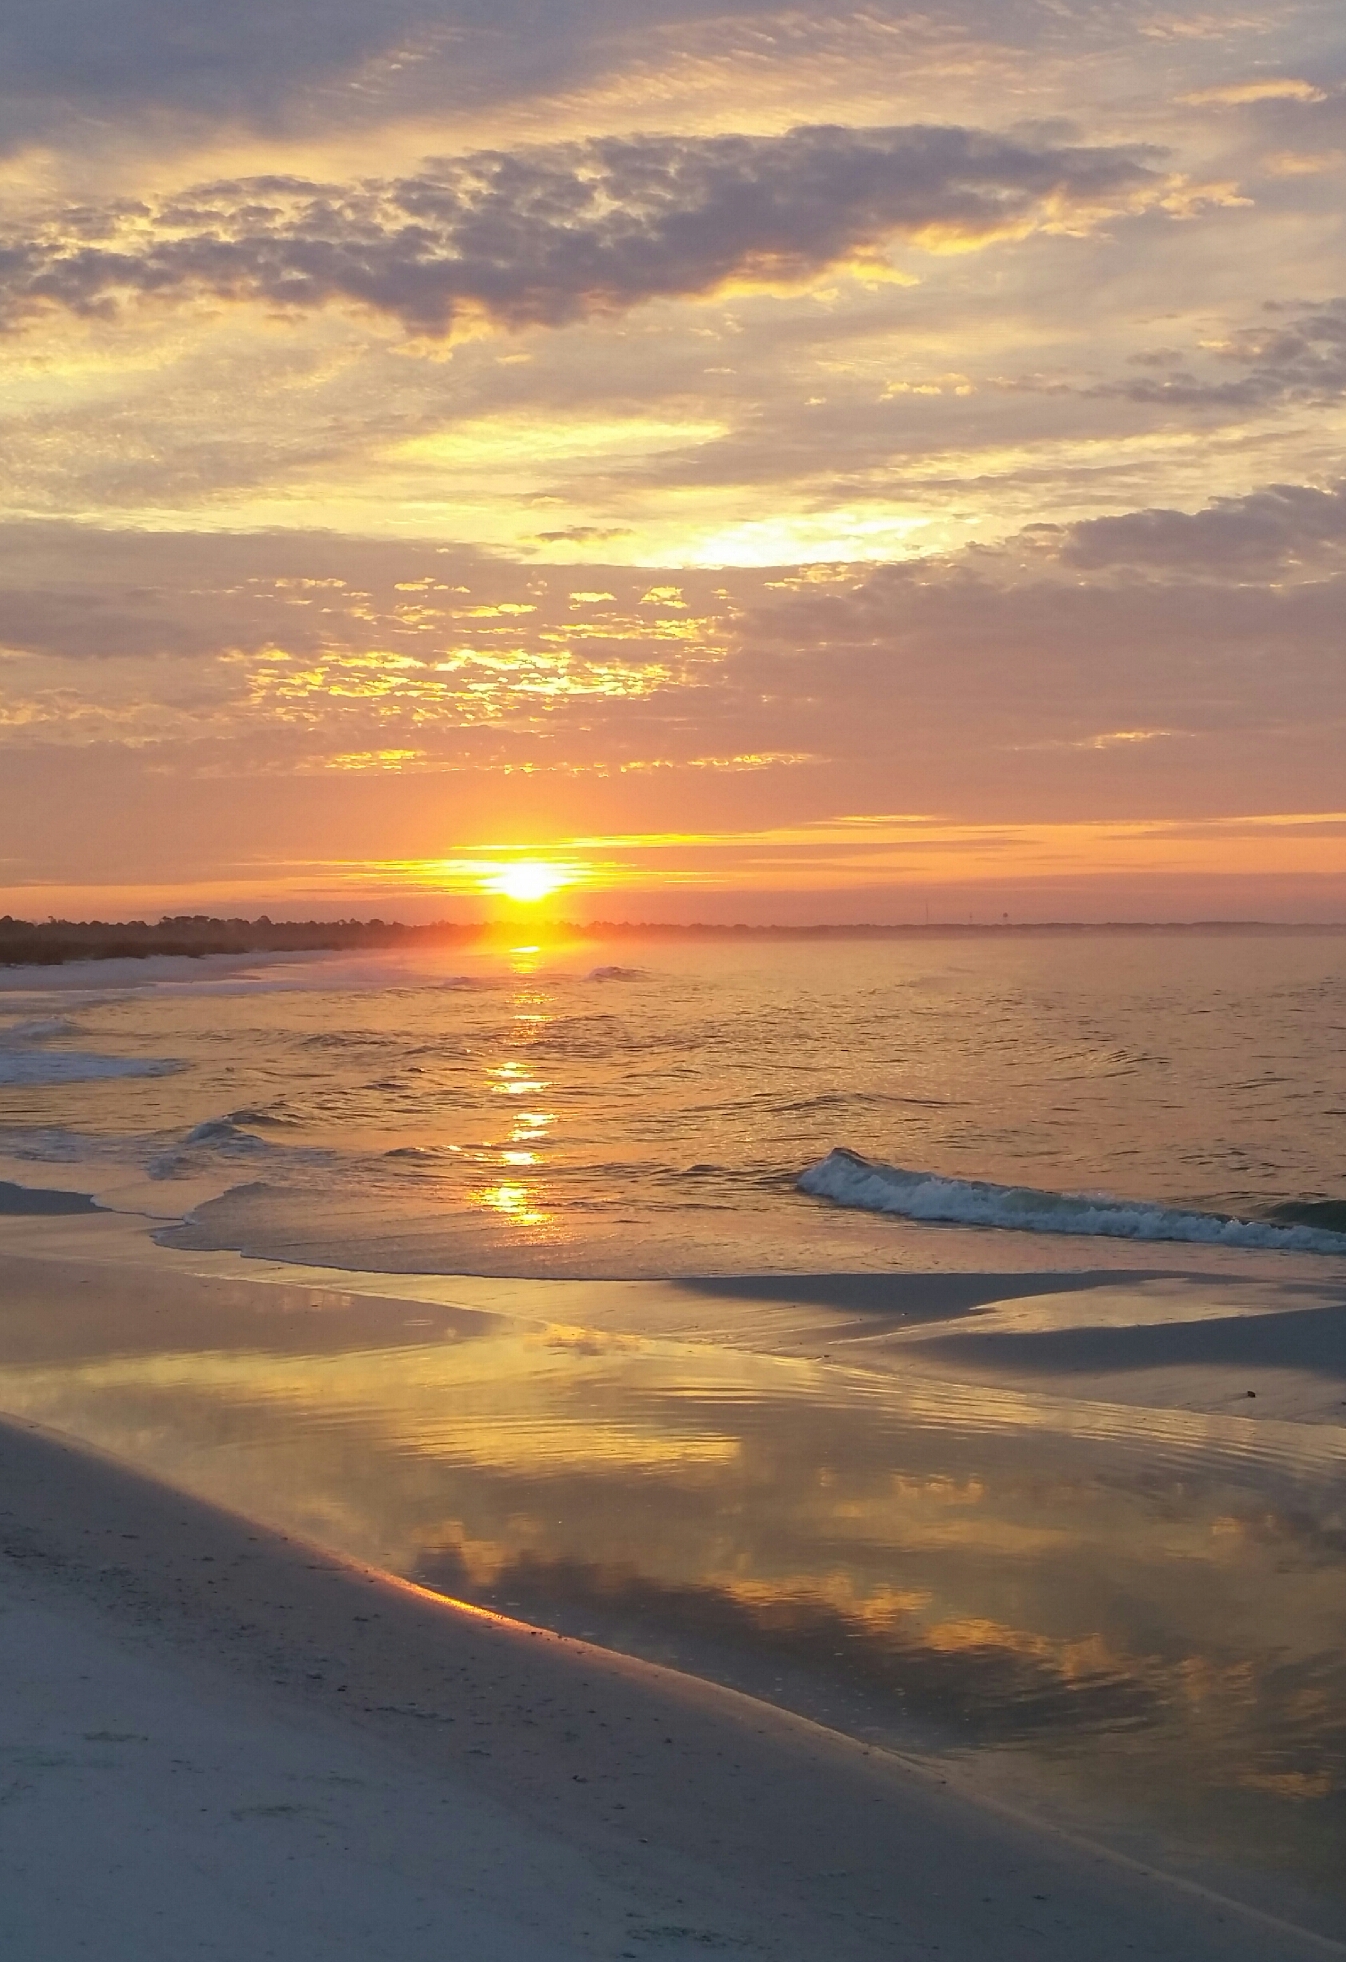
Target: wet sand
(1181,1329)
(222,1741)
(527,1794)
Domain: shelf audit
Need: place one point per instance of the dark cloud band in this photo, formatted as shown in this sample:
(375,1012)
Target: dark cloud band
(547,236)
(1284,523)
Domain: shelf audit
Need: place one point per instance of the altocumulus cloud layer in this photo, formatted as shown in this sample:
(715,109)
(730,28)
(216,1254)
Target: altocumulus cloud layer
(548,236)
(432,420)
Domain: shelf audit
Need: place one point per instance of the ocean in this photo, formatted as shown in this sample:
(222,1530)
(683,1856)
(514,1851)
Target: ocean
(649,1109)
(943,1336)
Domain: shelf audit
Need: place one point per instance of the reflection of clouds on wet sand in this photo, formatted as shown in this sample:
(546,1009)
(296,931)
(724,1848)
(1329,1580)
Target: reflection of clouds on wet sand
(1143,1604)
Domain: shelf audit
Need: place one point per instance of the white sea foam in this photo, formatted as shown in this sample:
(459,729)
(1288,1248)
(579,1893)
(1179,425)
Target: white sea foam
(30,1068)
(849,1180)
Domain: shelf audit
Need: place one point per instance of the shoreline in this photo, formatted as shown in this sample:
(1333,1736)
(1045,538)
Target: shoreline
(1162,1330)
(696,1800)
(94,1302)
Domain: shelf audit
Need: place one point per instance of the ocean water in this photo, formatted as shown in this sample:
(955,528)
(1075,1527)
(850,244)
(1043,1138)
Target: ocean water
(699,1107)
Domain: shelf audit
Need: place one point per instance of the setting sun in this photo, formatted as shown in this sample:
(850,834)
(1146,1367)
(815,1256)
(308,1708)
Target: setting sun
(528,881)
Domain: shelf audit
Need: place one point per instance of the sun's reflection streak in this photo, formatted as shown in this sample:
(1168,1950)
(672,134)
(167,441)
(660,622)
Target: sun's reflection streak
(521,1202)
(509,1081)
(515,1202)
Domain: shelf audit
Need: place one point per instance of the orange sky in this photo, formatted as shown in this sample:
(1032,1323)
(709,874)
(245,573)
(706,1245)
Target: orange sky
(665,441)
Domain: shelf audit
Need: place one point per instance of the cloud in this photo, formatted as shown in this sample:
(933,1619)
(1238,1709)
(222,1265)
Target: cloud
(244,59)
(974,683)
(1267,528)
(282,67)
(1298,359)
(252,58)
(552,235)
(990,689)
(583,535)
(1305,163)
(1287,88)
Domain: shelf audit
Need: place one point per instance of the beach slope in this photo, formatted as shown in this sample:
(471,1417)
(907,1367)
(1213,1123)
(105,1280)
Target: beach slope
(221,1742)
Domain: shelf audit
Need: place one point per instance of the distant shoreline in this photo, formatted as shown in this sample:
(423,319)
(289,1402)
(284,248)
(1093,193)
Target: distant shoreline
(53,943)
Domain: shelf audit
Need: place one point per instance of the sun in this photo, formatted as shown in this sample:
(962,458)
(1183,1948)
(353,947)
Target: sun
(528,881)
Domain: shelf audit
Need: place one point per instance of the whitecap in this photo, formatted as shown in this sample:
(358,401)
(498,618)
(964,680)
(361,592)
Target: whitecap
(850,1180)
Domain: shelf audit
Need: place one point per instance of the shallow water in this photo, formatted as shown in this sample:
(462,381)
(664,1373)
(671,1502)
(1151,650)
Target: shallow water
(647,1108)
(1134,1615)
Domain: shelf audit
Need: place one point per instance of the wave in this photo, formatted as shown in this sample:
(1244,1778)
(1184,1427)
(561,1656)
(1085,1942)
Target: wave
(218,1137)
(223,1133)
(615,974)
(1326,1214)
(278,1115)
(31,1068)
(39,1031)
(852,1100)
(849,1180)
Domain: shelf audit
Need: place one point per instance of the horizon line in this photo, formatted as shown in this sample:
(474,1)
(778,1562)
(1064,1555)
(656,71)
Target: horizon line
(10,923)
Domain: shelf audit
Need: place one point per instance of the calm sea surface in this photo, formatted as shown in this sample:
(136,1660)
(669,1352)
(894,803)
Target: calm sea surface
(647,1110)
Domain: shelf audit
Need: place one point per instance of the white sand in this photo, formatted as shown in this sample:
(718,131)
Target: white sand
(152,1809)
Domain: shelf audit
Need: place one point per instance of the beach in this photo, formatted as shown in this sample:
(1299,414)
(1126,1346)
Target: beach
(248,1736)
(424,1394)
(221,1741)
(672,981)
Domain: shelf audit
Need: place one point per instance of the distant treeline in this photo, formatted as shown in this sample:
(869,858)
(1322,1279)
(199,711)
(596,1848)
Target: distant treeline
(48,943)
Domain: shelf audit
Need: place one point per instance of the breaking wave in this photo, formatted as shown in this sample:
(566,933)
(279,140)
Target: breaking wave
(849,1180)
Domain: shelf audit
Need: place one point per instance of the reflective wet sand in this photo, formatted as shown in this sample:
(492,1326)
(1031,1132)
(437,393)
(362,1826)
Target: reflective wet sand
(1134,1615)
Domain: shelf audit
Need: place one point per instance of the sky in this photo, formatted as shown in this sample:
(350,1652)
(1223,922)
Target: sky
(769,463)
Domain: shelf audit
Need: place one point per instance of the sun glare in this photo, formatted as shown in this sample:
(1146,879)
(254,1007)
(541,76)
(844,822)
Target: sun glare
(528,881)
